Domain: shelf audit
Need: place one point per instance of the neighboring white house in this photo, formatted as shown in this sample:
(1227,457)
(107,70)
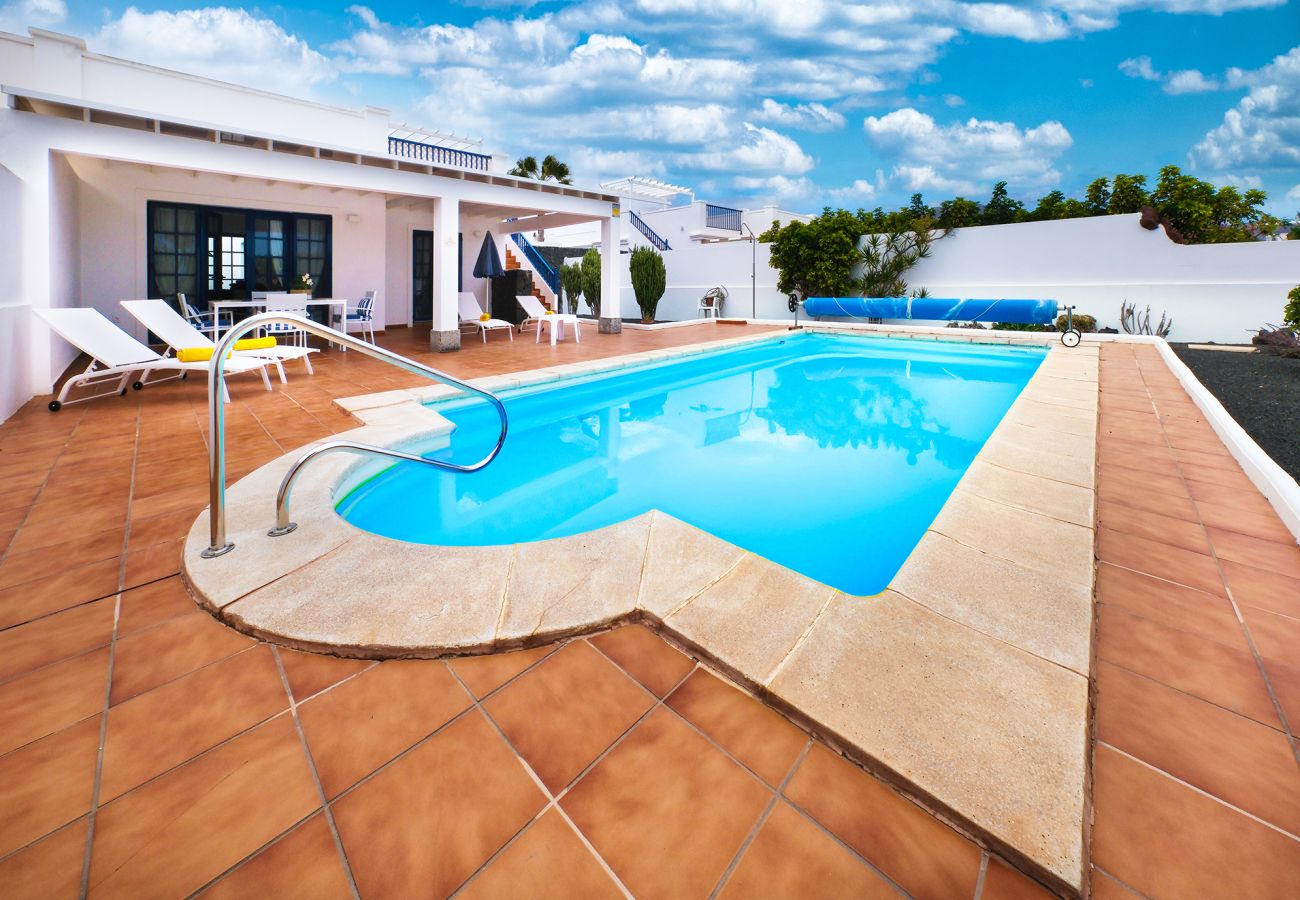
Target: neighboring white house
(120,180)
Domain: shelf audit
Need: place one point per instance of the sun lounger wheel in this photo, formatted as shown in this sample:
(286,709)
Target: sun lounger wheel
(136,386)
(55,406)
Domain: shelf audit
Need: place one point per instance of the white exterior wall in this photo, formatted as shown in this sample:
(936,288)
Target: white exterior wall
(694,269)
(1214,292)
(114,228)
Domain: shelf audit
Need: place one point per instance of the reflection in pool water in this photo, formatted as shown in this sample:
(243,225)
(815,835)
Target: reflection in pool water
(829,455)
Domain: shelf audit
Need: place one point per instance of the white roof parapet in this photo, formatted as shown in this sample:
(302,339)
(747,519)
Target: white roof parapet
(649,188)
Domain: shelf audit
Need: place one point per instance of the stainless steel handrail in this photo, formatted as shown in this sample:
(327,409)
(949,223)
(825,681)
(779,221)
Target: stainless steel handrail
(218,544)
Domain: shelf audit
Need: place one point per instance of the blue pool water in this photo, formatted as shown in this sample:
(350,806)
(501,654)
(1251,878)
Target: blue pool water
(829,455)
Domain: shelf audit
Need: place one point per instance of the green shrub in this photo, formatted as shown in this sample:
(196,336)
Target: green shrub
(1291,312)
(571,281)
(1083,323)
(591,279)
(649,280)
(1020,326)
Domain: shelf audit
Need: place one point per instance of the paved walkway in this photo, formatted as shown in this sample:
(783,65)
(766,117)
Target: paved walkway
(603,766)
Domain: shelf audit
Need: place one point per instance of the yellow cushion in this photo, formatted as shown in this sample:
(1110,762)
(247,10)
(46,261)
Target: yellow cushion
(550,312)
(485,317)
(262,343)
(194,354)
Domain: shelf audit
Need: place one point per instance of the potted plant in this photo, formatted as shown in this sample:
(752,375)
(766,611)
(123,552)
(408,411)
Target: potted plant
(649,279)
(303,284)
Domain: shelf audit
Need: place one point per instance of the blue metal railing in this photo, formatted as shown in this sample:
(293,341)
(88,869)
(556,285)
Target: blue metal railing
(444,156)
(650,235)
(549,275)
(723,217)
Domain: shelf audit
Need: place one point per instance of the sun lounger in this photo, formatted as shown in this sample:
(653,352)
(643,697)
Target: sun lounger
(471,315)
(116,356)
(172,329)
(554,321)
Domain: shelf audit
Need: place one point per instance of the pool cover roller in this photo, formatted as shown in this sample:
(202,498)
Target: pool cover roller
(1028,312)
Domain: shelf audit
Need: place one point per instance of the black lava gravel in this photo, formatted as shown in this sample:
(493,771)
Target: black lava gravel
(1260,391)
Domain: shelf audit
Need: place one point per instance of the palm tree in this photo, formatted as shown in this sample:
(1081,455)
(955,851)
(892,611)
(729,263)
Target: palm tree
(551,169)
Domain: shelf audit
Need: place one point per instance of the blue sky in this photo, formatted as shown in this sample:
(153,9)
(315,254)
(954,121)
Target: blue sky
(799,102)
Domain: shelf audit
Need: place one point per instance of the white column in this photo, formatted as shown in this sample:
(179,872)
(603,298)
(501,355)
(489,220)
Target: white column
(611,308)
(445,333)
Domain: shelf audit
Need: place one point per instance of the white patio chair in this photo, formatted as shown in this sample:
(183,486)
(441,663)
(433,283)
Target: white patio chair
(203,321)
(116,356)
(294,304)
(535,312)
(362,316)
(176,333)
(471,316)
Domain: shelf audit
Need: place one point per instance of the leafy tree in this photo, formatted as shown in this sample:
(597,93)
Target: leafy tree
(887,257)
(1097,197)
(571,281)
(551,169)
(649,280)
(1209,215)
(1001,209)
(1051,206)
(816,258)
(958,213)
(918,210)
(1128,194)
(1291,312)
(591,279)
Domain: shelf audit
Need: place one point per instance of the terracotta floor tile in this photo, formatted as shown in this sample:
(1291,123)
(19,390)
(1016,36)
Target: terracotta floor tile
(1264,525)
(1279,558)
(1231,497)
(1153,526)
(153,604)
(175,834)
(1170,604)
(484,674)
(1195,570)
(792,857)
(1264,590)
(33,599)
(145,564)
(1004,883)
(1167,840)
(1202,668)
(311,673)
(666,794)
(52,698)
(366,721)
(304,863)
(161,529)
(1106,887)
(760,738)
(47,784)
(645,656)
(55,637)
(1277,638)
(1286,684)
(157,655)
(453,819)
(1212,457)
(151,733)
(566,711)
(50,870)
(547,862)
(1236,481)
(46,562)
(1155,499)
(918,851)
(1234,758)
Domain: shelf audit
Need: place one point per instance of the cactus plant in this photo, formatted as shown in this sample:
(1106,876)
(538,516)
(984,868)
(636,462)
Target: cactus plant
(591,280)
(649,280)
(571,281)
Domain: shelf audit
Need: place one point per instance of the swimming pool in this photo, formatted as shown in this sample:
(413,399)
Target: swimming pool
(828,454)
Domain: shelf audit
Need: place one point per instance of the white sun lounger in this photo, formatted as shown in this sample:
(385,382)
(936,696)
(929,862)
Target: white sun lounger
(470,314)
(116,356)
(554,321)
(177,333)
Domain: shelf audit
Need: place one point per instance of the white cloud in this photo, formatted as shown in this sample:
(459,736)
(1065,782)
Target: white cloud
(776,187)
(228,44)
(1263,129)
(17,16)
(953,100)
(860,189)
(1139,67)
(1294,193)
(1005,20)
(965,155)
(805,116)
(757,149)
(1189,81)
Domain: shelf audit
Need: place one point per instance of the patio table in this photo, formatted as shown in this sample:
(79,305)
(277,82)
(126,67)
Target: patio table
(215,307)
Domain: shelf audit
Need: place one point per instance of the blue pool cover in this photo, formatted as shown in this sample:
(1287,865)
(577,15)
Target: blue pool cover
(1029,312)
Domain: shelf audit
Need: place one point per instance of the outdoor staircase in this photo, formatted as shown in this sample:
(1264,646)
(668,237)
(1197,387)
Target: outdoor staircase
(513,263)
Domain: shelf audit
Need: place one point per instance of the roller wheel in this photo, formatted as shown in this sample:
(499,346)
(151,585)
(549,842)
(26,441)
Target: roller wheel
(55,406)
(793,303)
(135,386)
(1071,338)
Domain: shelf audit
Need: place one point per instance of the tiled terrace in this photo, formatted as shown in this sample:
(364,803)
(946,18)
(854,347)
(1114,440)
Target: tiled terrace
(617,763)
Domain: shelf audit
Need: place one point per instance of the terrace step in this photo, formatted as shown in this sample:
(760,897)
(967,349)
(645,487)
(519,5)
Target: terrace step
(512,264)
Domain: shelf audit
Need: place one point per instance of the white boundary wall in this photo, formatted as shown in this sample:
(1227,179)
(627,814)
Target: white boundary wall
(1214,292)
